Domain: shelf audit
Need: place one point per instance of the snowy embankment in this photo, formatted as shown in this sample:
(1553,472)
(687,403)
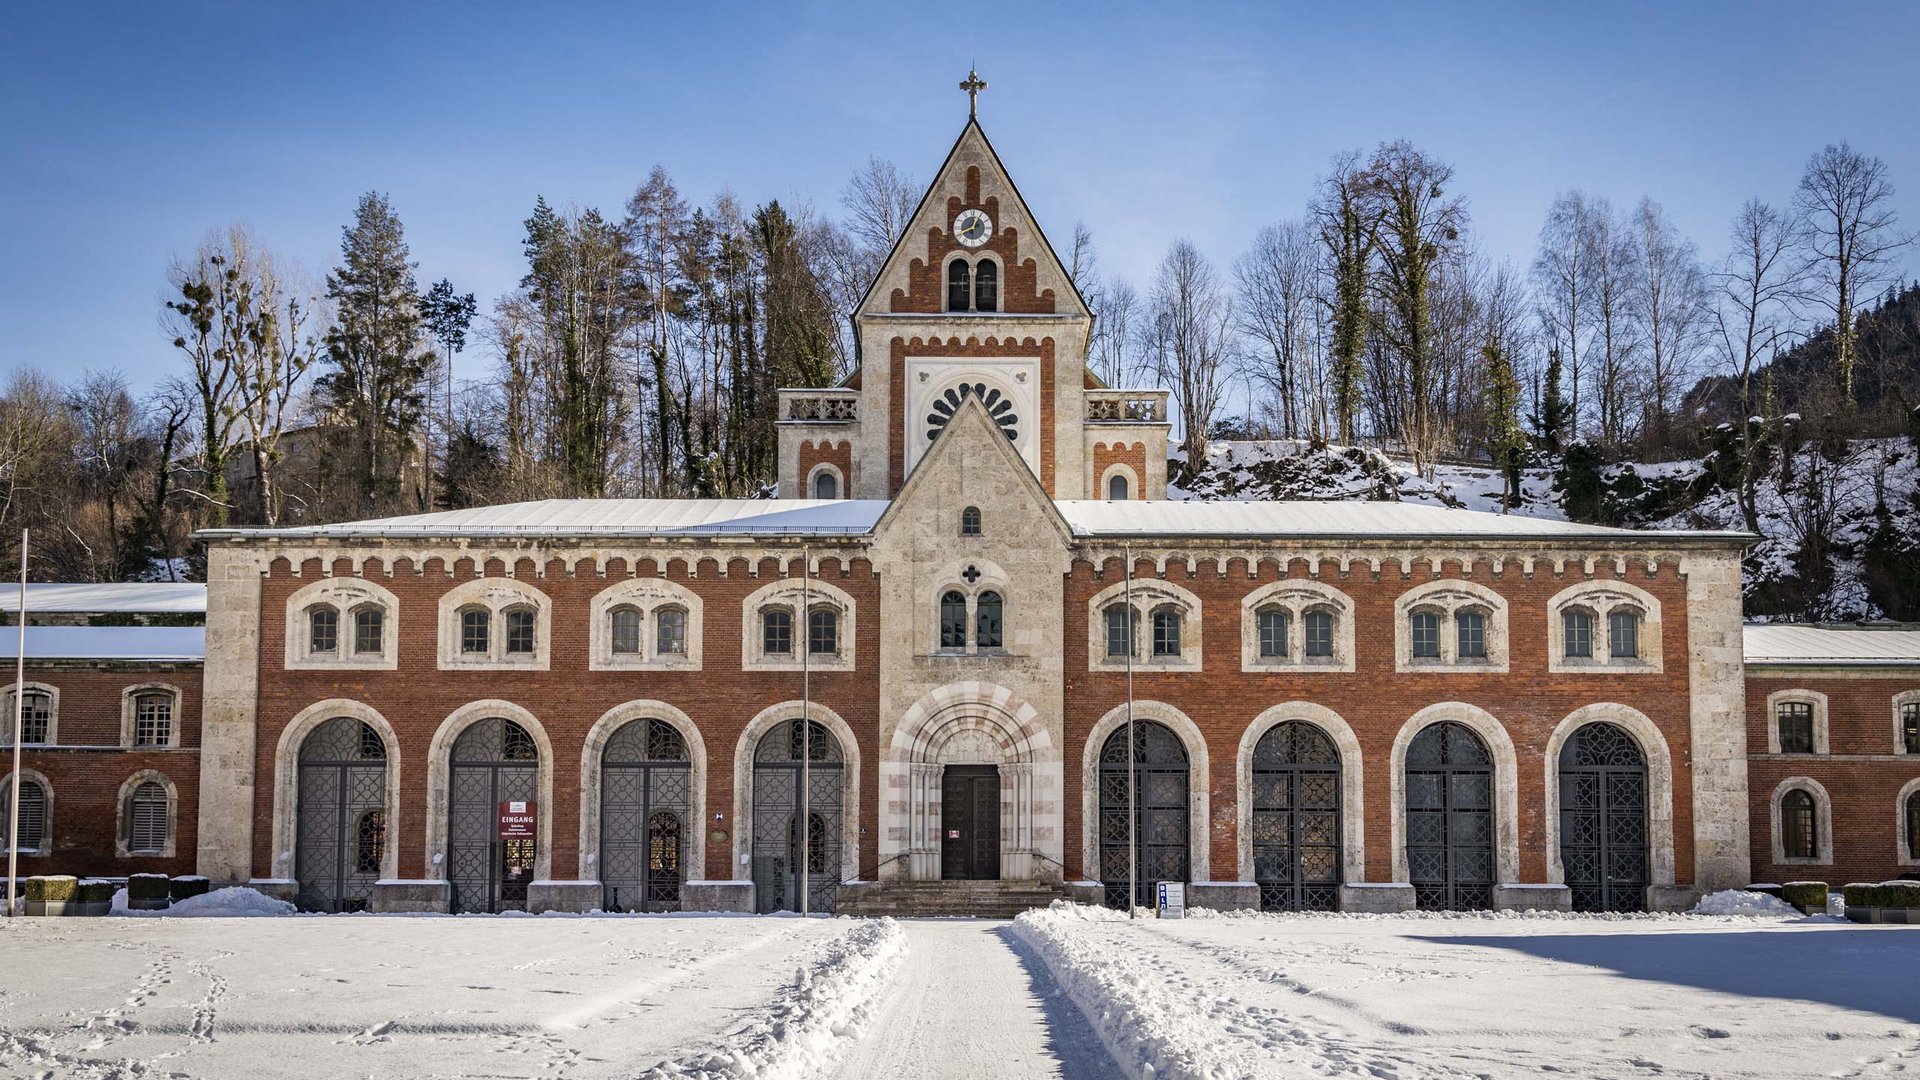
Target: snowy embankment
(811,1022)
(230,903)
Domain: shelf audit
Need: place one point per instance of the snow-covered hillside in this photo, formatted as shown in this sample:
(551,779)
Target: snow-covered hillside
(1840,530)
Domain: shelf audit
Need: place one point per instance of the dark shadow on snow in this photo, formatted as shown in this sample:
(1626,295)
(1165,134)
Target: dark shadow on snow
(1075,1045)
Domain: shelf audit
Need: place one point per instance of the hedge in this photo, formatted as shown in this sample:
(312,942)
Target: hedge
(1767,890)
(147,887)
(52,887)
(1809,896)
(1887,894)
(188,885)
(96,890)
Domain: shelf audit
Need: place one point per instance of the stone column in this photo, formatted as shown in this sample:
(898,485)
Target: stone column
(1716,673)
(230,692)
(923,826)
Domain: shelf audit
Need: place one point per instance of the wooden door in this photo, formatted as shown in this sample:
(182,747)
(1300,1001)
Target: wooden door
(970,823)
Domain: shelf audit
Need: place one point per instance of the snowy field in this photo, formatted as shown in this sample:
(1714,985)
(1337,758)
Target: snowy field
(1071,992)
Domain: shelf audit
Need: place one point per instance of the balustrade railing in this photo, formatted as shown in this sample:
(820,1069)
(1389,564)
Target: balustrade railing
(820,406)
(1127,406)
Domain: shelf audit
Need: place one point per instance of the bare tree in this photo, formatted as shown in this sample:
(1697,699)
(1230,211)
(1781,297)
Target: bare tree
(1613,262)
(1080,266)
(1347,224)
(1188,334)
(1845,204)
(1278,301)
(879,200)
(1754,317)
(1116,317)
(1672,306)
(1561,279)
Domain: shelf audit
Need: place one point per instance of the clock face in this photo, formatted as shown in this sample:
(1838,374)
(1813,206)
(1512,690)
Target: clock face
(973,228)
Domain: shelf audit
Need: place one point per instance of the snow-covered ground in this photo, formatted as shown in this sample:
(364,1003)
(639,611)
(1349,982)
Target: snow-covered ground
(1069,992)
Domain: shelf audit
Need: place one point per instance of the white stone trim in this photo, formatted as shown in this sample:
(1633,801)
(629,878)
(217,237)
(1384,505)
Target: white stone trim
(1016,377)
(53,713)
(1809,697)
(1822,822)
(1199,785)
(121,825)
(787,592)
(1717,739)
(1149,595)
(1900,701)
(129,713)
(1600,597)
(1506,789)
(439,764)
(1353,840)
(594,750)
(813,474)
(649,596)
(1447,598)
(496,595)
(1653,747)
(1904,853)
(286,781)
(31,776)
(992,579)
(1297,596)
(1135,490)
(741,828)
(345,595)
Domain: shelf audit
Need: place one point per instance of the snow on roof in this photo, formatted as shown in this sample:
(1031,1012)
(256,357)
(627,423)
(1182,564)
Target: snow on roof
(1789,643)
(1333,519)
(107,642)
(107,598)
(612,517)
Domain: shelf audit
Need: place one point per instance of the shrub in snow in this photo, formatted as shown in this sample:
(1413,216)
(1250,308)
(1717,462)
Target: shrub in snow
(1766,889)
(187,885)
(45,887)
(147,887)
(1809,896)
(1889,901)
(96,890)
(1748,901)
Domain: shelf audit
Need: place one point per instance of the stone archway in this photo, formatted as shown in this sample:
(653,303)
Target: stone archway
(971,724)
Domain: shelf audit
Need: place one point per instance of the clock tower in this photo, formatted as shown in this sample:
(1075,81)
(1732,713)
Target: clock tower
(973,302)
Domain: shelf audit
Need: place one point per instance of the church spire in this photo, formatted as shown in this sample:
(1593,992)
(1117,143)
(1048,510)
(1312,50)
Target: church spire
(973,86)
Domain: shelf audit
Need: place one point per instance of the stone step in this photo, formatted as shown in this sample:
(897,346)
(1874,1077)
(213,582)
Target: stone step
(982,899)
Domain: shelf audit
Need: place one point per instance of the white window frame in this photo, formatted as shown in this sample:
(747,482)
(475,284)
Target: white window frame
(786,592)
(130,713)
(495,595)
(1119,468)
(122,828)
(1148,596)
(648,596)
(1900,701)
(345,595)
(1447,598)
(1904,853)
(1822,822)
(1602,598)
(53,714)
(31,776)
(1809,697)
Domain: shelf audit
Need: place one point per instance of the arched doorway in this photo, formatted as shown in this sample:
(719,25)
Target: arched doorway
(341,838)
(494,761)
(1296,818)
(1159,768)
(1603,819)
(777,858)
(1450,826)
(646,808)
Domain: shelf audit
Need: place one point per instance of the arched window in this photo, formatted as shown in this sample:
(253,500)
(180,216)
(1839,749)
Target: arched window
(1273,632)
(36,719)
(341,834)
(1166,631)
(1799,825)
(823,632)
(959,285)
(1913,826)
(776,632)
(520,629)
(369,629)
(153,719)
(1319,632)
(986,286)
(1426,635)
(1471,630)
(146,818)
(33,813)
(1119,631)
(1909,728)
(826,485)
(323,629)
(476,631)
(1578,625)
(625,624)
(970,521)
(670,631)
(1117,489)
(370,842)
(953,620)
(987,621)
(1796,727)
(1623,634)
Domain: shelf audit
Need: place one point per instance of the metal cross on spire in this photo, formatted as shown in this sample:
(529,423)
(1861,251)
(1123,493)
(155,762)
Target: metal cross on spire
(973,86)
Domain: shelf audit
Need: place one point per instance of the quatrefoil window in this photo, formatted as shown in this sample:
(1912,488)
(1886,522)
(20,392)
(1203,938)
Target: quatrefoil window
(999,406)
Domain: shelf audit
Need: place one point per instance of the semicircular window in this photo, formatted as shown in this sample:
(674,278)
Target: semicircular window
(999,406)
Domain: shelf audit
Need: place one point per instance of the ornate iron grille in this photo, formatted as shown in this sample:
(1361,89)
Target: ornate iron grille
(1450,818)
(1160,802)
(1603,819)
(494,761)
(1296,818)
(341,833)
(776,811)
(646,803)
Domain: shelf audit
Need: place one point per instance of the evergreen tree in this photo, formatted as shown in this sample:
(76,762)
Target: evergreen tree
(1504,439)
(447,315)
(1347,231)
(378,367)
(1551,422)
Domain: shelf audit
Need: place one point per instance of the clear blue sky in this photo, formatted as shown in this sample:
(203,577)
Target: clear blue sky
(127,132)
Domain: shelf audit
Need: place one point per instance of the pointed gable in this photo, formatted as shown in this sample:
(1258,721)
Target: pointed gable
(972,462)
(1033,280)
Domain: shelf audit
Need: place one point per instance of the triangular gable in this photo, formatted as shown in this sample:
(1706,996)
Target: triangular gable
(950,178)
(971,421)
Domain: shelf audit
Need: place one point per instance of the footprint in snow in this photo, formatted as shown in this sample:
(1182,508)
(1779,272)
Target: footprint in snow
(1706,1032)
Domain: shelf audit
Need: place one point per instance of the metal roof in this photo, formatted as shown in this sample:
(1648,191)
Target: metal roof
(610,517)
(1797,643)
(107,598)
(174,643)
(1344,520)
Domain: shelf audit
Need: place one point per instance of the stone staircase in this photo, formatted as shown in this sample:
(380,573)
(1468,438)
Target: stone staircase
(921,899)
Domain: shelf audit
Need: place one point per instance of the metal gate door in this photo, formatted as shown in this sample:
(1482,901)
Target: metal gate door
(646,803)
(970,823)
(1603,819)
(1160,789)
(342,832)
(494,761)
(1450,819)
(1296,818)
(776,822)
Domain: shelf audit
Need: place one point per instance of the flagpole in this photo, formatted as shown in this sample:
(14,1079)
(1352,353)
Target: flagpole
(806,725)
(19,702)
(1133,788)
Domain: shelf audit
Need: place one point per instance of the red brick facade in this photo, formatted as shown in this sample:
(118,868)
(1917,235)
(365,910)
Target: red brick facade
(1131,454)
(971,348)
(1020,293)
(838,454)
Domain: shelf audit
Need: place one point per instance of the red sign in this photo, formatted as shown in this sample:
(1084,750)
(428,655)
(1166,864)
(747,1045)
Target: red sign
(517,820)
